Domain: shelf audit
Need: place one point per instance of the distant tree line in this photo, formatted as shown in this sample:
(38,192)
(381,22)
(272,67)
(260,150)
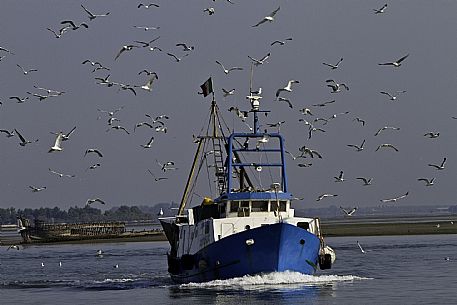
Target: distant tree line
(75,214)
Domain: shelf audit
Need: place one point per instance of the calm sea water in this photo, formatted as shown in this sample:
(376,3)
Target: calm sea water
(394,270)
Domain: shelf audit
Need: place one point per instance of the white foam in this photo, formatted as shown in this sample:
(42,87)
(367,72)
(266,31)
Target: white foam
(114,281)
(274,279)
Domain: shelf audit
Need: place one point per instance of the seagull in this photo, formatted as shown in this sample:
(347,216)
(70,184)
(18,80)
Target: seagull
(23,140)
(93,16)
(308,151)
(177,59)
(167,166)
(40,96)
(384,128)
(360,247)
(90,201)
(439,167)
(261,61)
(49,91)
(324,103)
(359,120)
(428,182)
(142,124)
(210,10)
(9,134)
(149,144)
(321,119)
(185,47)
(395,199)
(148,73)
(160,212)
(118,127)
(66,137)
(97,66)
(313,129)
(227,71)
(6,50)
(334,116)
(283,42)
(61,32)
(19,99)
(94,166)
(366,181)
(156,178)
(396,63)
(93,150)
(358,148)
(73,26)
(269,18)
(57,144)
(241,114)
(26,71)
(42,264)
(37,189)
(304,164)
(391,96)
(111,113)
(340,178)
(335,66)
(148,84)
(325,196)
(283,99)
(287,88)
(116,266)
(146,28)
(161,129)
(148,44)
(380,10)
(335,86)
(387,145)
(305,111)
(228,92)
(99,253)
(15,247)
(350,212)
(278,125)
(128,47)
(432,135)
(146,6)
(60,174)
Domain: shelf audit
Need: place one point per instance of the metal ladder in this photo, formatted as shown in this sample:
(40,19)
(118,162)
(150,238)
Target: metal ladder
(219,165)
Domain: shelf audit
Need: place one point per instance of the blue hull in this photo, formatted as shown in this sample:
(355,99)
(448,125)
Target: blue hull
(276,247)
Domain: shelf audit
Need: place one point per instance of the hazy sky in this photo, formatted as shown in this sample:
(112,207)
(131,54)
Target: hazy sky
(322,31)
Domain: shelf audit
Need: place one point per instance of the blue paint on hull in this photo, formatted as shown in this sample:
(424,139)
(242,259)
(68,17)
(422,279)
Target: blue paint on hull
(276,247)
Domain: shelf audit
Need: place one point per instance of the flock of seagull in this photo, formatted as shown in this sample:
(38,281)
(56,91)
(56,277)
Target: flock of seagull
(157,124)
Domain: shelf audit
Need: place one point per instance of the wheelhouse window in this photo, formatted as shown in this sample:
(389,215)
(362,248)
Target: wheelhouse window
(259,206)
(282,206)
(234,206)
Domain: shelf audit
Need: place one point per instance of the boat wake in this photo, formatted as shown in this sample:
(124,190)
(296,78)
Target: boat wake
(274,280)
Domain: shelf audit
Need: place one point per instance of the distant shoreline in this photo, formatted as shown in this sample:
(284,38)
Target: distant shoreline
(329,228)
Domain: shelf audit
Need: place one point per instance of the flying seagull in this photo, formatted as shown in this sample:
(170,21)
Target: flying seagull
(128,47)
(281,42)
(360,247)
(380,10)
(335,66)
(358,148)
(261,61)
(23,140)
(339,178)
(384,128)
(57,144)
(395,198)
(269,18)
(146,28)
(428,182)
(93,150)
(439,167)
(396,63)
(6,50)
(73,26)
(90,201)
(359,120)
(209,10)
(185,47)
(228,92)
(324,103)
(37,189)
(91,15)
(325,196)
(391,96)
(148,85)
(336,87)
(349,212)
(9,134)
(176,58)
(366,181)
(149,144)
(19,99)
(387,145)
(146,6)
(227,71)
(60,174)
(287,88)
(432,135)
(283,99)
(15,247)
(24,71)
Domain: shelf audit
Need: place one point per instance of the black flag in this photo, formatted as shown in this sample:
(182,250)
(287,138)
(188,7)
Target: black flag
(207,87)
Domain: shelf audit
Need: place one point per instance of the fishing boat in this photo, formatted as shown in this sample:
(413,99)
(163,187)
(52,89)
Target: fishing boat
(249,227)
